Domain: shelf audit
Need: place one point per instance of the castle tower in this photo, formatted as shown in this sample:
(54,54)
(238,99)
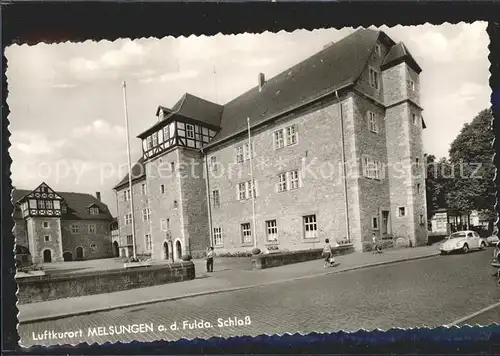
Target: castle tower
(404,126)
(41,210)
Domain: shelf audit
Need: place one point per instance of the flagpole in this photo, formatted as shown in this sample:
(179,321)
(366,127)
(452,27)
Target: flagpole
(129,170)
(252,184)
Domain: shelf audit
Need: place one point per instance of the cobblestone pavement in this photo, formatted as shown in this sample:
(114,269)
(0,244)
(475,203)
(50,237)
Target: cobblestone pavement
(489,317)
(429,292)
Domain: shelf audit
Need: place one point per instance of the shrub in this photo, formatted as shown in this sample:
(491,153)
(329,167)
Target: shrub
(256,251)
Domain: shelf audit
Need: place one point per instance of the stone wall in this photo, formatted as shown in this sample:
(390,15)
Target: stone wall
(44,288)
(21,232)
(285,258)
(45,236)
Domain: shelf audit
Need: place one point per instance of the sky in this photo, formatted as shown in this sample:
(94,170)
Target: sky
(66,100)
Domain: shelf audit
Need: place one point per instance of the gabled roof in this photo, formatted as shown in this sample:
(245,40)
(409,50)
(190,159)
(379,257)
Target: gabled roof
(76,204)
(189,107)
(138,173)
(398,54)
(335,67)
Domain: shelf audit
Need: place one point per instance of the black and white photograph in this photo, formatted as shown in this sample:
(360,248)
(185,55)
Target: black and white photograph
(259,183)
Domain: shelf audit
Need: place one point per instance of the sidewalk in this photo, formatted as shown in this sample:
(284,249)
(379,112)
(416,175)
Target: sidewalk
(225,280)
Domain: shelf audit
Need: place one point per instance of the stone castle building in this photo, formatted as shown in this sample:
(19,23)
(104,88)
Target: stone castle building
(334,146)
(59,226)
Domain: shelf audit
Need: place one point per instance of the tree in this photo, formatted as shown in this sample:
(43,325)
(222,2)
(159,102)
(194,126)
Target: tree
(436,183)
(471,157)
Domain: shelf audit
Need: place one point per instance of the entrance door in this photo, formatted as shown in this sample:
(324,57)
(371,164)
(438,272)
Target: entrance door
(116,250)
(67,256)
(47,256)
(178,248)
(165,250)
(79,253)
(385,222)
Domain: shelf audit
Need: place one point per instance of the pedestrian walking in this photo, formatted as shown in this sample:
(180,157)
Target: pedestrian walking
(327,254)
(376,246)
(210,259)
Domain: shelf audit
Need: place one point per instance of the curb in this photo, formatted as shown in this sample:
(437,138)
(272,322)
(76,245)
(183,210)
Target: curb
(473,315)
(218,291)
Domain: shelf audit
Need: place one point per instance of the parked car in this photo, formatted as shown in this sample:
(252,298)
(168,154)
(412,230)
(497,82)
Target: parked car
(463,241)
(492,240)
(23,256)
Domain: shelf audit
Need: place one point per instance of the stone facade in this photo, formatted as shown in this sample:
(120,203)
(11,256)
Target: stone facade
(303,193)
(86,240)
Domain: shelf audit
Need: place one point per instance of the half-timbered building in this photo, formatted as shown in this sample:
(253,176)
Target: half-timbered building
(61,226)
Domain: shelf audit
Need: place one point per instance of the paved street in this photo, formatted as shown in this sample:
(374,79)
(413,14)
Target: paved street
(429,292)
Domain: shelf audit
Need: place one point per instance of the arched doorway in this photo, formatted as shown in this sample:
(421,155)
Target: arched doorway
(47,256)
(178,249)
(79,253)
(116,250)
(68,256)
(165,250)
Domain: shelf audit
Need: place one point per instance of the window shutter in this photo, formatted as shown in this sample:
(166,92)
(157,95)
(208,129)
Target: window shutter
(237,191)
(256,184)
(368,120)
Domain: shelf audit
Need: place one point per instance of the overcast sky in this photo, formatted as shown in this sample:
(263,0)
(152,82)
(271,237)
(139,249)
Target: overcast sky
(66,103)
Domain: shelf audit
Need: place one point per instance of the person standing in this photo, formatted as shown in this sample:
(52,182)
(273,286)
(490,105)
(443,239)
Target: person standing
(210,259)
(327,253)
(376,246)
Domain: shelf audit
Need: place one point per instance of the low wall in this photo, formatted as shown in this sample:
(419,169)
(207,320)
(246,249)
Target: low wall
(43,288)
(285,258)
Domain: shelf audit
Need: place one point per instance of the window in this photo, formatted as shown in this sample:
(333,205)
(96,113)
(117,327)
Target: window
(411,84)
(172,166)
(145,214)
(155,139)
(166,135)
(148,242)
(144,189)
(378,50)
(94,211)
(41,204)
(48,204)
(126,195)
(279,139)
(245,190)
(375,222)
(243,153)
(189,131)
(310,227)
(149,143)
(372,122)
(93,247)
(372,168)
(246,233)
(75,229)
(32,203)
(130,240)
(285,137)
(401,211)
(164,224)
(414,118)
(47,238)
(213,163)
(374,78)
(418,188)
(168,223)
(218,236)
(162,189)
(417,162)
(422,220)
(216,198)
(175,204)
(272,230)
(45,224)
(64,209)
(57,205)
(288,181)
(92,228)
(128,219)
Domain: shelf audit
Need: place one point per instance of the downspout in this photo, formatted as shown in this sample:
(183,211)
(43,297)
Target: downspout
(346,205)
(207,187)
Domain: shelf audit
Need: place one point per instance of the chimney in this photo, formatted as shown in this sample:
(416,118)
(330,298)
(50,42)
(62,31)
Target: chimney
(98,195)
(262,81)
